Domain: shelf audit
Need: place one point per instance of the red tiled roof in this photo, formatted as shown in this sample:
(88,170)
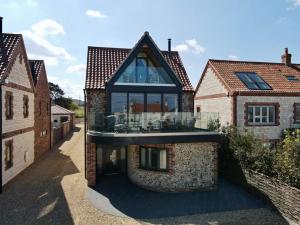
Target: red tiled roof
(103,62)
(8,45)
(36,69)
(57,110)
(273,73)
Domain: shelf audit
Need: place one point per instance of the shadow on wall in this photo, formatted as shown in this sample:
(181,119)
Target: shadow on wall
(120,197)
(36,195)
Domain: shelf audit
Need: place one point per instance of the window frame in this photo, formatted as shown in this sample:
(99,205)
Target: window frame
(146,167)
(8,163)
(261,105)
(296,104)
(25,106)
(9,105)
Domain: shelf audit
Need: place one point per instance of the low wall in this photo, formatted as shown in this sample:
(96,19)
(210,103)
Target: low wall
(192,166)
(284,197)
(59,133)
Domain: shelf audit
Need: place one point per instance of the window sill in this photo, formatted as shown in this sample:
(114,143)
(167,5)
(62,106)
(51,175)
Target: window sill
(154,170)
(261,125)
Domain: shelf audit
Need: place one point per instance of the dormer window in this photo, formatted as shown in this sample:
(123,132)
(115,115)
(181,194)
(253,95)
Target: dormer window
(291,78)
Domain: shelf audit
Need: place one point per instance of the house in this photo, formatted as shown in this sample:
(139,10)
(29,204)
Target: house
(60,115)
(263,97)
(42,108)
(17,107)
(140,121)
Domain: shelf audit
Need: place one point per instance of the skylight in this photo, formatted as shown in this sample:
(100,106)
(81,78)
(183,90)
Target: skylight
(253,81)
(292,78)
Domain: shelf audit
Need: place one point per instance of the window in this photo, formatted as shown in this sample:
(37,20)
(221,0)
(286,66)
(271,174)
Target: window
(119,102)
(8,154)
(297,113)
(136,102)
(153,102)
(9,105)
(170,103)
(25,106)
(64,119)
(292,78)
(153,158)
(253,81)
(43,133)
(261,114)
(198,109)
(141,69)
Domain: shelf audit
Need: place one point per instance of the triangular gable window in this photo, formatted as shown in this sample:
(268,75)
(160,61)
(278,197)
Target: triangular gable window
(145,70)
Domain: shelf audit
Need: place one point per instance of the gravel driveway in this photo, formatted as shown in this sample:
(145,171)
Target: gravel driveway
(53,191)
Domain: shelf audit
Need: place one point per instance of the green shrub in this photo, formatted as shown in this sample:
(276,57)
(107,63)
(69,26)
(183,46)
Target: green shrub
(287,158)
(213,124)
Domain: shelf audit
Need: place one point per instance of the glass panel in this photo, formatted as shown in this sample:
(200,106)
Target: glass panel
(163,159)
(153,102)
(257,111)
(154,159)
(141,70)
(250,114)
(271,114)
(136,102)
(170,103)
(118,102)
(143,157)
(264,118)
(128,76)
(247,81)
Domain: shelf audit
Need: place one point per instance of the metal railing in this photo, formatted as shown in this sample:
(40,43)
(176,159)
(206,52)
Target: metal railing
(147,122)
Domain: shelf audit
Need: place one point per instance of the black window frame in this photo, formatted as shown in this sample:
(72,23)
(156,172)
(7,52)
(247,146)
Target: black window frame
(249,75)
(8,151)
(147,159)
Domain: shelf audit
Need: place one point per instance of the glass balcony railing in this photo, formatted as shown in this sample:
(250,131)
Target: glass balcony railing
(147,122)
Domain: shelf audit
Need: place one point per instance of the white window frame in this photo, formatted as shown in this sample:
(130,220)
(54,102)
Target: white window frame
(260,116)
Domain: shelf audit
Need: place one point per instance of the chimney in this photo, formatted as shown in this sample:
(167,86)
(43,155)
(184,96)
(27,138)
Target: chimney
(1,18)
(169,45)
(286,58)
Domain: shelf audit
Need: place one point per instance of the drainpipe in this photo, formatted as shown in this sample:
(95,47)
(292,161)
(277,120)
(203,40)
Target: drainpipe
(1,139)
(85,120)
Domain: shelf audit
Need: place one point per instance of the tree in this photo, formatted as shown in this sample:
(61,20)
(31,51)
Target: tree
(55,91)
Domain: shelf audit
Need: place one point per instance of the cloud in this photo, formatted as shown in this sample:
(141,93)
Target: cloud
(39,47)
(95,13)
(190,45)
(233,57)
(80,68)
(295,4)
(71,89)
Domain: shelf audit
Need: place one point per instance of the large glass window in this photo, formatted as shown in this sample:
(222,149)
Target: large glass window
(253,81)
(153,102)
(264,115)
(119,102)
(170,103)
(141,69)
(153,158)
(136,102)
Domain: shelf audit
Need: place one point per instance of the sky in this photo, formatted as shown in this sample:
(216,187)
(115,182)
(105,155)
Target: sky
(59,31)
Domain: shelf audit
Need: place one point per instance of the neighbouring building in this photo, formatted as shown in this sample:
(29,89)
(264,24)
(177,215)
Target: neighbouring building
(263,97)
(140,120)
(42,108)
(60,115)
(19,89)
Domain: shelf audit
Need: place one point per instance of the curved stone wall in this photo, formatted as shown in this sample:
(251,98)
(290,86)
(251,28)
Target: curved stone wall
(192,166)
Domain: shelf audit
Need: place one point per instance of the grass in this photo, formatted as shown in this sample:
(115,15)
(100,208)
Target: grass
(79,113)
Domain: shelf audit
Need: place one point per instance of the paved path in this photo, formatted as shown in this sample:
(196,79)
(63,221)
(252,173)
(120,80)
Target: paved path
(53,191)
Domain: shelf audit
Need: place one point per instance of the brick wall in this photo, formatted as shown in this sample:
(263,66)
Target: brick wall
(283,196)
(91,164)
(42,116)
(193,166)
(286,108)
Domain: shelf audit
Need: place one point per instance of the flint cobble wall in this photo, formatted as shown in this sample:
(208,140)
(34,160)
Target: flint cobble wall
(192,166)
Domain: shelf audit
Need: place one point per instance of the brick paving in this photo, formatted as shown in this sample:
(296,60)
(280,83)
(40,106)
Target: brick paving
(53,191)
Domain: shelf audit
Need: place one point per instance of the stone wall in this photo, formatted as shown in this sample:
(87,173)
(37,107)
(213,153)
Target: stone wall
(286,108)
(91,164)
(192,166)
(283,196)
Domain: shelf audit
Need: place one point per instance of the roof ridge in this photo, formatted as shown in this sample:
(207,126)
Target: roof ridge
(250,62)
(126,49)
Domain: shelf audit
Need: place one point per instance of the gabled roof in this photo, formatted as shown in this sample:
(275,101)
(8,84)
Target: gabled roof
(104,62)
(272,73)
(36,67)
(8,46)
(58,110)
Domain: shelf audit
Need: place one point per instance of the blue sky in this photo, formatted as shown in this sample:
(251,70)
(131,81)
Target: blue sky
(59,31)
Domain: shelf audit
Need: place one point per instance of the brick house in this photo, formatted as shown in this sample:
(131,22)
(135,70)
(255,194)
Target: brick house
(140,121)
(263,97)
(18,95)
(42,108)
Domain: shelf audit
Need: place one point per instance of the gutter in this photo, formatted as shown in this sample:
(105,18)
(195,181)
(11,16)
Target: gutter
(85,121)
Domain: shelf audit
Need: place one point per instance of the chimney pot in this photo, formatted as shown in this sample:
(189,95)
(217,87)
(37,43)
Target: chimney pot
(286,58)
(169,44)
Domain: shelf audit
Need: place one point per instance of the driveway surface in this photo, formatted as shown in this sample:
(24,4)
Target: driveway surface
(53,191)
